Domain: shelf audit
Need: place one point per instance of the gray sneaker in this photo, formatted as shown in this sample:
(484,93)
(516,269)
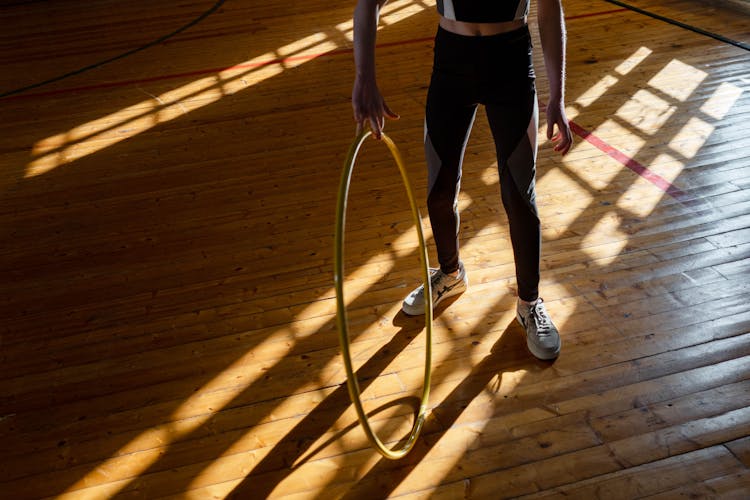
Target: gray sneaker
(443,286)
(542,338)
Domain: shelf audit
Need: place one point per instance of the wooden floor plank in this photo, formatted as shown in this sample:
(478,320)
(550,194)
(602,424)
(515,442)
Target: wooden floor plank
(655,478)
(730,486)
(741,449)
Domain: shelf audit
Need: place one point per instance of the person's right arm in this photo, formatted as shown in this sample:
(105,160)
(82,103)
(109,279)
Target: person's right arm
(367,102)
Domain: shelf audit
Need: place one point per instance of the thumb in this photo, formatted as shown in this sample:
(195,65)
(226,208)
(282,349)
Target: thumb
(390,113)
(550,128)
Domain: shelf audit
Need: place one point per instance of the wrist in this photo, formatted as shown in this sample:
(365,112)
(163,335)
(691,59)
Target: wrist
(364,80)
(365,73)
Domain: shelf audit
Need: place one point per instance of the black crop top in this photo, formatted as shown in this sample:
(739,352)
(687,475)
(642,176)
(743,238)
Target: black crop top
(483,11)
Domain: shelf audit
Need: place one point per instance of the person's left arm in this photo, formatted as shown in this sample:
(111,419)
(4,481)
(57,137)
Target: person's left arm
(552,33)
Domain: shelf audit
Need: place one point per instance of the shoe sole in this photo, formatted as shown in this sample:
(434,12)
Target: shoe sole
(543,355)
(419,311)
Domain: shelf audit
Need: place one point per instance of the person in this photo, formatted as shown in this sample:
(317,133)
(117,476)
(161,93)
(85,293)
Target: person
(482,55)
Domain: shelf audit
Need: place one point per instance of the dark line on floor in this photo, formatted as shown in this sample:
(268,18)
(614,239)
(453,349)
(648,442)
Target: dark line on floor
(682,25)
(159,40)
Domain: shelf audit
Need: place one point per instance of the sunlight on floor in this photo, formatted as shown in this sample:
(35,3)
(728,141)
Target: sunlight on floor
(718,105)
(634,60)
(129,122)
(391,13)
(597,90)
(690,139)
(605,241)
(645,115)
(101,133)
(678,80)
(139,454)
(647,112)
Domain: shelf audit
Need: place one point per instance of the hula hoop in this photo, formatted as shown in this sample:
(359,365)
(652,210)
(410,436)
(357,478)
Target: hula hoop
(351,378)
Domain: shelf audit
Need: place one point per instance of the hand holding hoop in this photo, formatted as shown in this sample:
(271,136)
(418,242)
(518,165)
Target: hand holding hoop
(341,320)
(369,107)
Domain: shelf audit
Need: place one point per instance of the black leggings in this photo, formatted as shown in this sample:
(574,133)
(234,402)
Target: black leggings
(496,71)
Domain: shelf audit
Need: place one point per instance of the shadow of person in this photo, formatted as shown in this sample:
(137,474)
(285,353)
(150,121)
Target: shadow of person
(508,354)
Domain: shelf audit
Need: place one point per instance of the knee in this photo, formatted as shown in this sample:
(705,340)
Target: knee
(520,205)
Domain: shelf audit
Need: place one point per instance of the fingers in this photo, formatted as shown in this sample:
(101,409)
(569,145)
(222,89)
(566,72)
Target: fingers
(376,126)
(563,138)
(375,120)
(370,108)
(372,120)
(390,114)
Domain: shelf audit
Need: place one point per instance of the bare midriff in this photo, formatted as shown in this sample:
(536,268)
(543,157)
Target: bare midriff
(480,29)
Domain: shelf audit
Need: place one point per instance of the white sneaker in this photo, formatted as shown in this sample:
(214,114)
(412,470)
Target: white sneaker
(542,338)
(443,286)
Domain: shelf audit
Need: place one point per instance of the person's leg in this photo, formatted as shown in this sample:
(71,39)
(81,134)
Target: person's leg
(449,115)
(516,162)
(448,123)
(509,96)
(513,115)
(514,126)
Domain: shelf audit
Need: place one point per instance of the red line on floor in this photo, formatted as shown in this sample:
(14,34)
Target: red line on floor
(208,71)
(627,161)
(124,83)
(594,14)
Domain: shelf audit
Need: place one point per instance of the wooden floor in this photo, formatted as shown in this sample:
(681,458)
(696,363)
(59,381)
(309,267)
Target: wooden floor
(166,295)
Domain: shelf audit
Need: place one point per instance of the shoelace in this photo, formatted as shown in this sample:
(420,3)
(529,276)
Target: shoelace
(541,319)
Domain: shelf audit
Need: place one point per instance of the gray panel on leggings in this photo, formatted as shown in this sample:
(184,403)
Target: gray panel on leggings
(433,161)
(523,176)
(524,156)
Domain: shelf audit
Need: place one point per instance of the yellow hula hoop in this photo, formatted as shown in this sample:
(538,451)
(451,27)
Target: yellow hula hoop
(351,378)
